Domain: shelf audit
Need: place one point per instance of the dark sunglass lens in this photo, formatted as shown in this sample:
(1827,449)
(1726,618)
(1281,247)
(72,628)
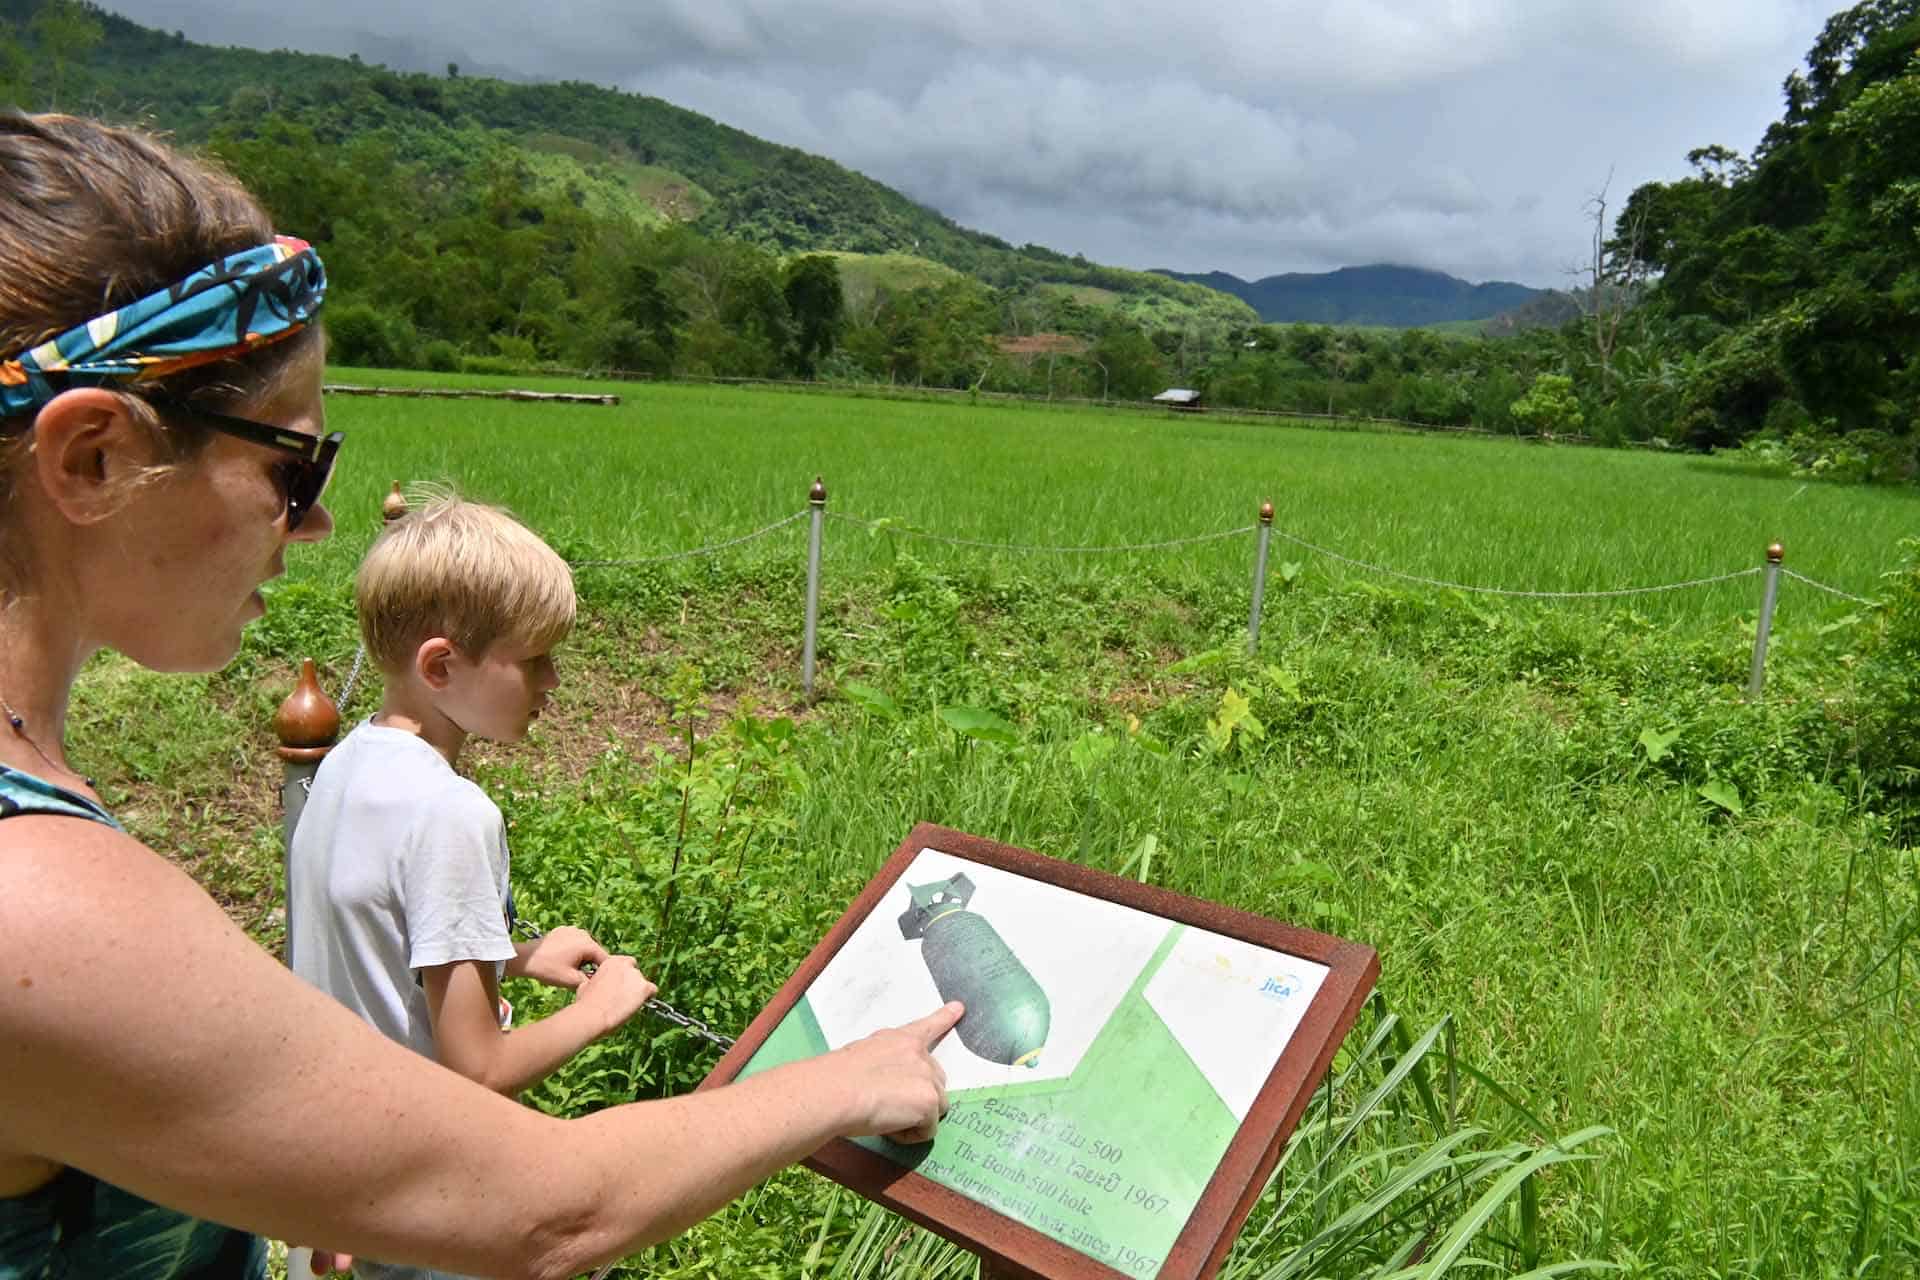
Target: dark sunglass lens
(307,482)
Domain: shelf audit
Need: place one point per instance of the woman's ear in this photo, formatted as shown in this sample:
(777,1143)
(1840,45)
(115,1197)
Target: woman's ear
(87,448)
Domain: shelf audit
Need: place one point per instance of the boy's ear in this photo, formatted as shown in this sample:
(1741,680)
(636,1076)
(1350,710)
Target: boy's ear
(86,446)
(433,662)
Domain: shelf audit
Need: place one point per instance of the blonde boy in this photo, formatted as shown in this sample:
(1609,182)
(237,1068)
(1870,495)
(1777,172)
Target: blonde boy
(397,878)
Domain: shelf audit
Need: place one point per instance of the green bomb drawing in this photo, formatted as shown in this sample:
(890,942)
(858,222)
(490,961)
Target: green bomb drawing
(1007,1014)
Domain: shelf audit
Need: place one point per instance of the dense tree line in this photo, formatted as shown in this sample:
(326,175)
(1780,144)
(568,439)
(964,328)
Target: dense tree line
(1783,288)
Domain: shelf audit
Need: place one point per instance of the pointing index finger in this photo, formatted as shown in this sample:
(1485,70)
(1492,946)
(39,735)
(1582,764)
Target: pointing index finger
(936,1024)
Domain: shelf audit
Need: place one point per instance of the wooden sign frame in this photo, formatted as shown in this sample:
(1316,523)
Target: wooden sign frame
(1007,1246)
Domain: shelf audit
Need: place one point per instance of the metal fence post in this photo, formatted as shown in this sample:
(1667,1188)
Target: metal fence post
(817,502)
(306,725)
(1770,592)
(1259,577)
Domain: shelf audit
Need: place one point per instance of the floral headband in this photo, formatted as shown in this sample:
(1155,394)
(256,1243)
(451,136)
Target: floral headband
(242,302)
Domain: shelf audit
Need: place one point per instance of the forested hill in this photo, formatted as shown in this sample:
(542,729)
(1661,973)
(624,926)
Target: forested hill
(1382,294)
(616,151)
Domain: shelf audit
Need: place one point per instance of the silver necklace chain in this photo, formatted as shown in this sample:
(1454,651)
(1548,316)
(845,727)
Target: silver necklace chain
(19,726)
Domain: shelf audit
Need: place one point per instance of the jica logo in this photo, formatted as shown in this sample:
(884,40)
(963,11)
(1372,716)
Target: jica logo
(1280,987)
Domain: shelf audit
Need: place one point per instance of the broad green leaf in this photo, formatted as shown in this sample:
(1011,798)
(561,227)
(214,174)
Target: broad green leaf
(1330,912)
(1724,794)
(870,700)
(1202,661)
(981,725)
(1658,745)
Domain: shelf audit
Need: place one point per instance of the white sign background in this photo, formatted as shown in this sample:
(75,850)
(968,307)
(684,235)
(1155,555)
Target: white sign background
(1084,952)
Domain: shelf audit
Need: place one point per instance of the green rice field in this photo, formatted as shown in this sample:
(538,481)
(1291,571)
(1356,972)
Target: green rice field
(1648,989)
(678,466)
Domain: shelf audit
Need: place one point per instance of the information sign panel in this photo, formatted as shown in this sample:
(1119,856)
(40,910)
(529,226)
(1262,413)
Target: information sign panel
(1129,1066)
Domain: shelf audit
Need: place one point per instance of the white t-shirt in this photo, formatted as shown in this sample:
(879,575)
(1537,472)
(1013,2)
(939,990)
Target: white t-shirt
(398,864)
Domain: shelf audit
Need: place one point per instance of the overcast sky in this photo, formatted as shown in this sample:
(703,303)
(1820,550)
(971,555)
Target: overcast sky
(1250,136)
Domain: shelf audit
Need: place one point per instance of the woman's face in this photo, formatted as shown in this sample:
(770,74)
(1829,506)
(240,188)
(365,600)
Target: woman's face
(201,540)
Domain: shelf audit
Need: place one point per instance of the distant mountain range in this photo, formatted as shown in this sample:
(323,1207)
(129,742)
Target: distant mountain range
(1382,294)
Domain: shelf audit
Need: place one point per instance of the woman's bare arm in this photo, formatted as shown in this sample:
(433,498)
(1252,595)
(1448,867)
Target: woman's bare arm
(146,1040)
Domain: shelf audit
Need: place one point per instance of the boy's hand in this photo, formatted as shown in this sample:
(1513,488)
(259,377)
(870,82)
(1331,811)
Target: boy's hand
(558,959)
(616,991)
(903,1091)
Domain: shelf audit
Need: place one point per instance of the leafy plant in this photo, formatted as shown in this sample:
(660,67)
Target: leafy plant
(1233,723)
(1378,1180)
(980,725)
(1723,794)
(1657,744)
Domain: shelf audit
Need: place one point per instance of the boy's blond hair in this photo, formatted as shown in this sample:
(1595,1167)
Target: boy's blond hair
(463,570)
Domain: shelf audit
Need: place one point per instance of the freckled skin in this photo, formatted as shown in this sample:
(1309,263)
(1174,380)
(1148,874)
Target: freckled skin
(202,539)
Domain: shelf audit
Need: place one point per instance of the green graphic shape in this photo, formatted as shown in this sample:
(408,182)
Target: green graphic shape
(1109,1161)
(1008,1015)
(797,1038)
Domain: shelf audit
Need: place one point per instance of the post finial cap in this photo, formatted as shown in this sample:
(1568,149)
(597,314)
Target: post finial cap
(308,717)
(818,494)
(1776,553)
(394,505)
(1266,513)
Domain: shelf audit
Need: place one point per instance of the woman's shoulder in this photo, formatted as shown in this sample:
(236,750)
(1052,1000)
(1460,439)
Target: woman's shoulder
(88,915)
(58,867)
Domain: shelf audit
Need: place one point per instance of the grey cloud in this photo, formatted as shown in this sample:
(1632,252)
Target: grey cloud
(1255,136)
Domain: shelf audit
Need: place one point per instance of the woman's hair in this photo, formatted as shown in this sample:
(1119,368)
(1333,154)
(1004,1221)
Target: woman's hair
(93,217)
(465,571)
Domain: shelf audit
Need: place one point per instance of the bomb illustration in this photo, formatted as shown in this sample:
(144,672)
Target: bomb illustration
(1007,1013)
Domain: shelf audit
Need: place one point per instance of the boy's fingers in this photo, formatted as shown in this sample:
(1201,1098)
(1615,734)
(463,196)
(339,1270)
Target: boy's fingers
(936,1024)
(587,947)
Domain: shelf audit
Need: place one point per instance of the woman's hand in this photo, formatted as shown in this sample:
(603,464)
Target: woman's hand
(902,1091)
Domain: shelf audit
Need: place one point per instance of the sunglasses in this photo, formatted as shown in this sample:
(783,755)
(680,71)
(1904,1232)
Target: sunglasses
(303,477)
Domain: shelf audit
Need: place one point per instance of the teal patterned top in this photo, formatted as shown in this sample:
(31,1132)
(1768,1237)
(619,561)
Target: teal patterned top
(77,1227)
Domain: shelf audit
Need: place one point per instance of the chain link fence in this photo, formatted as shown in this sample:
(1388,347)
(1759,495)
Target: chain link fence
(816,511)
